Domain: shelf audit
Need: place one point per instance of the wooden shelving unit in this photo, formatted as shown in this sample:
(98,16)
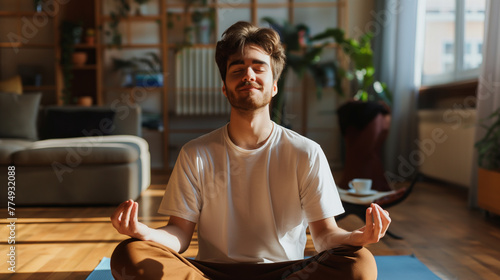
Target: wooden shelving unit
(23,41)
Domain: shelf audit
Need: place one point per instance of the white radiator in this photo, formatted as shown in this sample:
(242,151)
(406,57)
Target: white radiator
(198,89)
(450,160)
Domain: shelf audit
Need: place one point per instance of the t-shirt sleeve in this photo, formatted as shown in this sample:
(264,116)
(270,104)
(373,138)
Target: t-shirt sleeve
(182,195)
(318,192)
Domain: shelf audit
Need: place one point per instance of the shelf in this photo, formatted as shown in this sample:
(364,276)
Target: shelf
(85,46)
(26,46)
(130,46)
(134,18)
(85,67)
(131,88)
(17,14)
(261,5)
(191,131)
(194,46)
(38,88)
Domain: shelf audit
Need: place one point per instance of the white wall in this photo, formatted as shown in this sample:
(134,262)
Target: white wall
(446,144)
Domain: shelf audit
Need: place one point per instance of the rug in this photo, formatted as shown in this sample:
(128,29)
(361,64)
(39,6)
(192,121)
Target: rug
(389,268)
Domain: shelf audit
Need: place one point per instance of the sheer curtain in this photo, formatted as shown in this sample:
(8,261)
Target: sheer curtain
(488,93)
(396,60)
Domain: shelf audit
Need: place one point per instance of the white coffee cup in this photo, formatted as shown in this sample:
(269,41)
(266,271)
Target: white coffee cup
(361,185)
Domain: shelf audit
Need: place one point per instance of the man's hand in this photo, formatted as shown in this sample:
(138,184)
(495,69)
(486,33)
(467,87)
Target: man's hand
(326,234)
(377,223)
(125,220)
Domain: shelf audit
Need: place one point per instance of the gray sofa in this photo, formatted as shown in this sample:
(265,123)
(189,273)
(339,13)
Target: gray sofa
(69,155)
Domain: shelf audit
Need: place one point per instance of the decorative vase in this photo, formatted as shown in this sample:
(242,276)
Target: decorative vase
(90,41)
(85,101)
(90,36)
(79,58)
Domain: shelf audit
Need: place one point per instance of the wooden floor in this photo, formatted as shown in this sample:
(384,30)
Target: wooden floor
(67,243)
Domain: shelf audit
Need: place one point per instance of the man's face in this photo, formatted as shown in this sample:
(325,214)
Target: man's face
(249,81)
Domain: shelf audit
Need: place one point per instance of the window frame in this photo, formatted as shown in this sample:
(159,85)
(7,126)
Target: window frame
(459,73)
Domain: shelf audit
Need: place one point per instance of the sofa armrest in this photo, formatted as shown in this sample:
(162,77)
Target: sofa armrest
(128,120)
(135,142)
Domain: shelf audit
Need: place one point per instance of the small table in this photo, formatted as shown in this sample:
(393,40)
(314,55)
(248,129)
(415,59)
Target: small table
(345,196)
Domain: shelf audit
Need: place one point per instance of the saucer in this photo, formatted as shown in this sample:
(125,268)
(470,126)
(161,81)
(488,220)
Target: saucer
(368,193)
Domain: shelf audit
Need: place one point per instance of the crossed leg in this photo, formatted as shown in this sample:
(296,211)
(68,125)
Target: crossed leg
(135,259)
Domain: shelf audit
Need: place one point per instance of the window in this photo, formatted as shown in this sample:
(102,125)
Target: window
(453,40)
(448,48)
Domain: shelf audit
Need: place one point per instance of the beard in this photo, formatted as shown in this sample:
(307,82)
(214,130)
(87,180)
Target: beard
(245,100)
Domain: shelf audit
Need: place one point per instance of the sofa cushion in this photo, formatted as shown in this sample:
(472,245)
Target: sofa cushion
(66,122)
(74,154)
(9,147)
(13,85)
(18,115)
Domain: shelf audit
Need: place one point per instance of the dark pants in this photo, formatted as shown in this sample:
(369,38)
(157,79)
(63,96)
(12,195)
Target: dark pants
(135,259)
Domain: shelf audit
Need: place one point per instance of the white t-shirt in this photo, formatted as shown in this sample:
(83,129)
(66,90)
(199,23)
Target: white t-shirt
(251,205)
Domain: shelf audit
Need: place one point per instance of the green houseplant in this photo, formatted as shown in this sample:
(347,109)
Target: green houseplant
(364,120)
(368,100)
(199,29)
(361,71)
(143,71)
(122,11)
(301,56)
(304,52)
(488,150)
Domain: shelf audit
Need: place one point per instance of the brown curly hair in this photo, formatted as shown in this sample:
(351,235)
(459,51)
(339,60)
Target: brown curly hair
(242,33)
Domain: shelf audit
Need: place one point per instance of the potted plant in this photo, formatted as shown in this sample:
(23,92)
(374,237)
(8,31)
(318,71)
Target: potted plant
(361,71)
(196,26)
(488,150)
(144,71)
(127,67)
(301,56)
(203,22)
(364,119)
(90,36)
(368,99)
(141,9)
(151,73)
(122,12)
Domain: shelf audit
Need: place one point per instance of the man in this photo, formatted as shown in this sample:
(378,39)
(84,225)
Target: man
(252,187)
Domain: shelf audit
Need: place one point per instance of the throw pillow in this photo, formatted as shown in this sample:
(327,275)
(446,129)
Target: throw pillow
(18,115)
(77,122)
(13,84)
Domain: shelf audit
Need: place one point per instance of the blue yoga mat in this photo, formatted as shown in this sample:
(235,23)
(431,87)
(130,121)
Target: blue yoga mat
(389,268)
